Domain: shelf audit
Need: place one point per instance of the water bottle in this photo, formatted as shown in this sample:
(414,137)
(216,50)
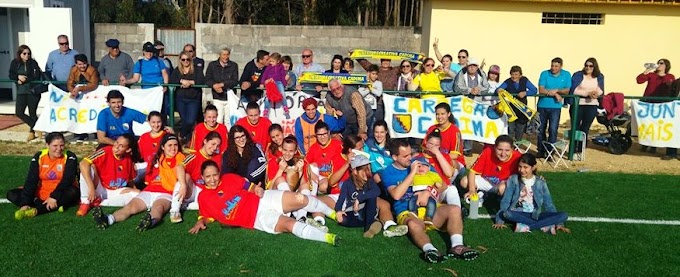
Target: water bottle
(474,206)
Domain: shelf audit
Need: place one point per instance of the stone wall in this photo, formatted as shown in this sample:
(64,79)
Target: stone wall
(245,40)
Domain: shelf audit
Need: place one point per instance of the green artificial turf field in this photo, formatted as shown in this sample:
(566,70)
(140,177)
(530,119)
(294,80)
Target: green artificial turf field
(62,244)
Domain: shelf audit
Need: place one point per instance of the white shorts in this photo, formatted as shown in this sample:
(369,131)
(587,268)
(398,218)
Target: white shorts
(449,195)
(483,184)
(193,199)
(334,197)
(268,211)
(150,197)
(110,197)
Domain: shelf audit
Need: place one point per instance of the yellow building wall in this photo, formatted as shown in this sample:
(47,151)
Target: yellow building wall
(511,33)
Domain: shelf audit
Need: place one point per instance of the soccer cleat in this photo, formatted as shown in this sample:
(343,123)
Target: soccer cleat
(83,209)
(100,219)
(175,217)
(146,223)
(462,252)
(27,213)
(333,239)
(375,228)
(432,256)
(522,228)
(395,231)
(333,216)
(316,225)
(97,202)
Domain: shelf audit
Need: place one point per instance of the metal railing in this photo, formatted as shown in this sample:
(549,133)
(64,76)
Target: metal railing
(574,114)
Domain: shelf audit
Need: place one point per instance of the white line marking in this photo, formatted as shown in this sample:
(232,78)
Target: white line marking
(4,201)
(614,220)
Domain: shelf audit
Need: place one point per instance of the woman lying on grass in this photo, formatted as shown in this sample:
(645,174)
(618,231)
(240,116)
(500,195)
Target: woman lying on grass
(228,201)
(161,178)
(527,202)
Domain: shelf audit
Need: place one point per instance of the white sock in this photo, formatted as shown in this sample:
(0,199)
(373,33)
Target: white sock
(305,192)
(388,224)
(320,219)
(456,240)
(299,214)
(111,219)
(176,202)
(316,206)
(304,231)
(315,188)
(428,246)
(283,186)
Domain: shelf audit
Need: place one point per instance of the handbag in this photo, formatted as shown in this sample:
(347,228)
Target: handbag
(44,79)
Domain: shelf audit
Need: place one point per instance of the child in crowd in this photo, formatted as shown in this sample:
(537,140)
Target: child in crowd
(209,124)
(492,77)
(492,169)
(425,179)
(372,93)
(275,73)
(528,203)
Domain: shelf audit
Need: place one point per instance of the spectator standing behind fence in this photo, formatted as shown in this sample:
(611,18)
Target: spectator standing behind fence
(344,101)
(115,64)
(83,77)
(250,79)
(151,71)
(658,85)
(348,65)
(308,65)
(554,83)
(589,84)
(492,78)
(291,78)
(387,74)
(60,61)
(160,53)
(337,66)
(188,95)
(222,76)
(428,81)
(199,64)
(276,73)
(406,75)
(470,81)
(453,67)
(372,94)
(519,86)
(23,69)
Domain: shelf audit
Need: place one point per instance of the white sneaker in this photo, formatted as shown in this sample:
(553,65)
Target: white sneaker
(317,225)
(395,231)
(480,195)
(175,217)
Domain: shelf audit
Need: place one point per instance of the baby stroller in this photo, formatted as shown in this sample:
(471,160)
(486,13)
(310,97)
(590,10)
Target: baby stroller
(613,116)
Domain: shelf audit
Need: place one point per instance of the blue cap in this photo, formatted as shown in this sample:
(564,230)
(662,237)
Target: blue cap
(422,160)
(112,43)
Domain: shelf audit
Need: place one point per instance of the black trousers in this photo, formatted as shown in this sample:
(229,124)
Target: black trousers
(30,101)
(70,197)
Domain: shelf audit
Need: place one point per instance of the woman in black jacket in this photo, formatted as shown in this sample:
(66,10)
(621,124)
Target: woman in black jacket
(24,69)
(188,96)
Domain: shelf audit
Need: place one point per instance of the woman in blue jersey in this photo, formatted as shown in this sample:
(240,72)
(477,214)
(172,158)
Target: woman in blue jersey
(376,147)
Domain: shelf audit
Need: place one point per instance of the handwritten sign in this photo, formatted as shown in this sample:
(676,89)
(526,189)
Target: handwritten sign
(657,124)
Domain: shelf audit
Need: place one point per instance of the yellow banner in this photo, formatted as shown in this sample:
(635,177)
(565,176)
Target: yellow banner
(387,54)
(323,78)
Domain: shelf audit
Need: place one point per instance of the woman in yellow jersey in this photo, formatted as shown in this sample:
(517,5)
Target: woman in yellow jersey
(50,183)
(157,195)
(428,81)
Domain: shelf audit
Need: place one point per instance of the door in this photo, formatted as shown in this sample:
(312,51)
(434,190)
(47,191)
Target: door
(6,54)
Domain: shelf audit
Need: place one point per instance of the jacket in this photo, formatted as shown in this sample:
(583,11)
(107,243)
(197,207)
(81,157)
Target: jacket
(304,128)
(32,183)
(216,73)
(576,80)
(33,71)
(513,188)
(460,84)
(91,76)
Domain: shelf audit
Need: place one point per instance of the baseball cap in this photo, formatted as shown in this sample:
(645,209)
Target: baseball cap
(422,160)
(148,47)
(359,160)
(495,69)
(472,61)
(113,43)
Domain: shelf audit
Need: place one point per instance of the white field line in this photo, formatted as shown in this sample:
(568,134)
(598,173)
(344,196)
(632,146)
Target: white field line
(614,220)
(573,218)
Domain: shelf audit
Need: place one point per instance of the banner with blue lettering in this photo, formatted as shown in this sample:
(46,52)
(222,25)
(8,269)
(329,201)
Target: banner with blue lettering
(657,124)
(62,113)
(411,117)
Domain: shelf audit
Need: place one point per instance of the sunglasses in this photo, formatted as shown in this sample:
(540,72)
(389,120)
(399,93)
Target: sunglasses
(660,63)
(26,53)
(190,51)
(63,43)
(590,65)
(462,57)
(306,56)
(185,60)
(406,66)
(429,65)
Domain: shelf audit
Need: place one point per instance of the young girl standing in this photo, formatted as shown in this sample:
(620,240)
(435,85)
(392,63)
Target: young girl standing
(275,73)
(528,203)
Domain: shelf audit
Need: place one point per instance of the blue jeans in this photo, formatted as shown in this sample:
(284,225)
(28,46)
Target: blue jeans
(165,109)
(188,110)
(550,120)
(467,145)
(429,208)
(544,219)
(364,217)
(516,130)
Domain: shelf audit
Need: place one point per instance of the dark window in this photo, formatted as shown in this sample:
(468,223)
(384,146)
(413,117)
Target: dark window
(573,18)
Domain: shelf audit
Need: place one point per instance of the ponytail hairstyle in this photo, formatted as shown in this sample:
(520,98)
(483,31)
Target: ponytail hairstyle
(134,147)
(349,142)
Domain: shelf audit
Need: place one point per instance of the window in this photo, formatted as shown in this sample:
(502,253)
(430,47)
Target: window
(572,18)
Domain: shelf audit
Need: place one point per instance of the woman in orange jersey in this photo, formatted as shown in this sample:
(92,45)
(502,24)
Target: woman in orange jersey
(157,195)
(50,183)
(189,174)
(149,143)
(106,175)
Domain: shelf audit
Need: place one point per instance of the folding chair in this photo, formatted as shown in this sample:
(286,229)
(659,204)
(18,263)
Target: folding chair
(581,137)
(523,146)
(556,152)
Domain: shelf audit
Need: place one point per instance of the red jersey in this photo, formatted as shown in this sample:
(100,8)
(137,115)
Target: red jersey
(229,203)
(161,177)
(437,167)
(192,165)
(113,172)
(452,142)
(489,166)
(323,155)
(148,145)
(201,130)
(336,164)
(258,132)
